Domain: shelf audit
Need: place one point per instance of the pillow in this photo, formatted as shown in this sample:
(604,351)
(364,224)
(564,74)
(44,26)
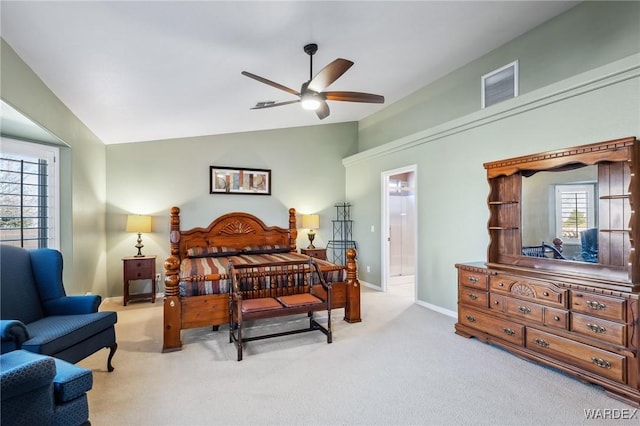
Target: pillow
(266,249)
(215,251)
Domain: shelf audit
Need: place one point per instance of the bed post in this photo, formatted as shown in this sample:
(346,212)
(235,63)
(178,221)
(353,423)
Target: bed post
(293,230)
(172,307)
(352,305)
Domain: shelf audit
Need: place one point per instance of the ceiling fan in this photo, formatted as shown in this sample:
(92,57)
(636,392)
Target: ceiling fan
(312,95)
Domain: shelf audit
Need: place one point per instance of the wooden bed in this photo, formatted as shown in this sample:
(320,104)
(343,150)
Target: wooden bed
(235,232)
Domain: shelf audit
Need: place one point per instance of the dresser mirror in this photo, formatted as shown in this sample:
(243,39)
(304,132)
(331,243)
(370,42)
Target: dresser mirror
(591,236)
(560,213)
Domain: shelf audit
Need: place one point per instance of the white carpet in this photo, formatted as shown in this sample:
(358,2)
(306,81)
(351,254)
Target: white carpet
(403,365)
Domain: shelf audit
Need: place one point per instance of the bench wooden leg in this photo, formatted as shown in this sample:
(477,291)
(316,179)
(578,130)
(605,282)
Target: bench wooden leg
(239,342)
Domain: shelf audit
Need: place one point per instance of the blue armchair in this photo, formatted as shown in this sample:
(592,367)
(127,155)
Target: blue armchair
(40,390)
(38,316)
(589,243)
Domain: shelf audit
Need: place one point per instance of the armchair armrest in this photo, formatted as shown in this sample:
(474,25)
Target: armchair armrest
(23,372)
(73,305)
(14,331)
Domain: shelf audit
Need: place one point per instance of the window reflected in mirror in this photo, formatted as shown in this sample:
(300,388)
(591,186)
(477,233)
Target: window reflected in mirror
(560,214)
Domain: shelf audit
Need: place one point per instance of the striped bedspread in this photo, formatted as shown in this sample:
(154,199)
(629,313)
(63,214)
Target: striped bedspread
(207,266)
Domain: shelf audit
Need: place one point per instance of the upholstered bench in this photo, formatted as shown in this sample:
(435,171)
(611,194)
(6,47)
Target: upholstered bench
(270,291)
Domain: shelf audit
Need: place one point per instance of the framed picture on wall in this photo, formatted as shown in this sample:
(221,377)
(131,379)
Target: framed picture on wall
(236,180)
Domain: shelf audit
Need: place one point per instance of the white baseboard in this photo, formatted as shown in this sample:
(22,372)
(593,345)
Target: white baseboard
(369,285)
(120,299)
(438,309)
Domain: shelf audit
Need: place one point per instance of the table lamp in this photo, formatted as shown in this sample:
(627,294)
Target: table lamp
(311,222)
(138,224)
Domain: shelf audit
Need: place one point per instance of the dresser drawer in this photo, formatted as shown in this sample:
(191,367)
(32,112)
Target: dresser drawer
(503,329)
(521,309)
(600,306)
(556,318)
(472,279)
(607,331)
(472,296)
(601,362)
(525,288)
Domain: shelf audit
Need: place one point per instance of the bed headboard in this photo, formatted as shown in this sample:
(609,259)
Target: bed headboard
(235,230)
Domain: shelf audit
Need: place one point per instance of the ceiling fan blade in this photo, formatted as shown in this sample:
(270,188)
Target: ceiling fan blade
(354,97)
(323,110)
(271,83)
(263,105)
(329,74)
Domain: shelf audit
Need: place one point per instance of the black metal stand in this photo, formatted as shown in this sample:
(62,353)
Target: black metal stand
(342,229)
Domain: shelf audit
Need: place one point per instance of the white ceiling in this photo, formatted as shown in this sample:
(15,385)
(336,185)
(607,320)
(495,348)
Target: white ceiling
(147,70)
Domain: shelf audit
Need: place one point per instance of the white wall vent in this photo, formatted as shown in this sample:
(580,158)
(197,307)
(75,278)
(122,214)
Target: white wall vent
(500,85)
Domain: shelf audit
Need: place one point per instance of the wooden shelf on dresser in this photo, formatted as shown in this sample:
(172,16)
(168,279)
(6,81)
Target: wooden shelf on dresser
(579,317)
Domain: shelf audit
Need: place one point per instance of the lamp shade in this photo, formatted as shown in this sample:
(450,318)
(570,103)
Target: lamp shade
(311,221)
(138,223)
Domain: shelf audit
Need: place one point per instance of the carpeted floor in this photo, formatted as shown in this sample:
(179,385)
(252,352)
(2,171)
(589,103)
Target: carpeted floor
(403,365)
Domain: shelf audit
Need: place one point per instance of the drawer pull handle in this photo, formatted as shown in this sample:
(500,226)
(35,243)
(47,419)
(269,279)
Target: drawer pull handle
(596,305)
(557,318)
(545,294)
(473,280)
(471,318)
(501,284)
(600,362)
(508,331)
(524,309)
(541,342)
(473,296)
(596,328)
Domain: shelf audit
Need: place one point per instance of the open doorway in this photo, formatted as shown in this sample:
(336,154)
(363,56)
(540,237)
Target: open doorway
(399,217)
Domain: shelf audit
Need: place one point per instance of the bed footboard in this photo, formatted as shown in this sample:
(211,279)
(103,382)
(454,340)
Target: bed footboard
(352,302)
(172,306)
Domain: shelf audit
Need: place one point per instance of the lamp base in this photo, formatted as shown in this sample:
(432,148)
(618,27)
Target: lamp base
(139,246)
(311,236)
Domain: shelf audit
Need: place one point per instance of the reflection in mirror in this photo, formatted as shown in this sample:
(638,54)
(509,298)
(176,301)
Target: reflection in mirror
(560,215)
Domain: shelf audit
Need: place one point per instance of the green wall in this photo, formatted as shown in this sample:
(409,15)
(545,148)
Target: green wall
(585,37)
(151,177)
(577,89)
(82,170)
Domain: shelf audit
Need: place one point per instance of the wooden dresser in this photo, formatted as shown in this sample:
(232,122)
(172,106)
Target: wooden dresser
(579,317)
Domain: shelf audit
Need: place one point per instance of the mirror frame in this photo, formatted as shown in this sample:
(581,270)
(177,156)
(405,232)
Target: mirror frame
(504,202)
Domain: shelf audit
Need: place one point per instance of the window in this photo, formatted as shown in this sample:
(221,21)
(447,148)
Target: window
(500,85)
(575,211)
(29,194)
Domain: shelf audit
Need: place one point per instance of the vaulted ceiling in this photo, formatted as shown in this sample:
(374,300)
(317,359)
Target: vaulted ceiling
(146,70)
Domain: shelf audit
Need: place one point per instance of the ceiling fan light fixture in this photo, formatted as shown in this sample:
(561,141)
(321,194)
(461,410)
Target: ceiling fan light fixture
(310,101)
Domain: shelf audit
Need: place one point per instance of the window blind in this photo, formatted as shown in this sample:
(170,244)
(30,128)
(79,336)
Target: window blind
(24,201)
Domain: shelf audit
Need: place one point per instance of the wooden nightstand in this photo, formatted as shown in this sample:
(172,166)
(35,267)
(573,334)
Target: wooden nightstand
(139,268)
(318,253)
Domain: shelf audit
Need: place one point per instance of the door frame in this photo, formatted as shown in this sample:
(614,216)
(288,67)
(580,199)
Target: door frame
(384,226)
